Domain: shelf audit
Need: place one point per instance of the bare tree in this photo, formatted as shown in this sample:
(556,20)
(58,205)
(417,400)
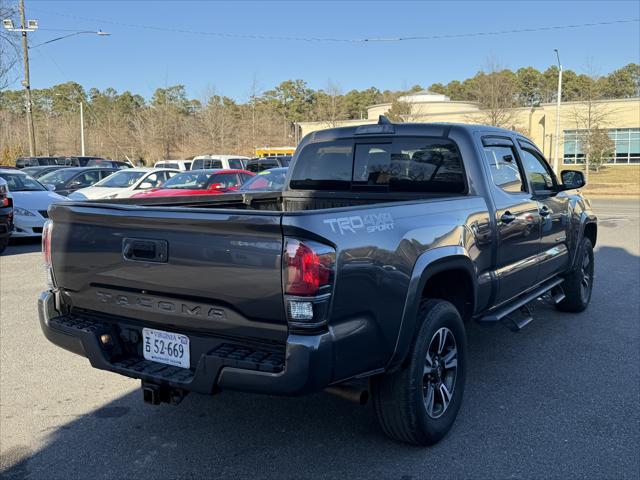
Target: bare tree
(334,93)
(495,89)
(598,148)
(254,94)
(591,116)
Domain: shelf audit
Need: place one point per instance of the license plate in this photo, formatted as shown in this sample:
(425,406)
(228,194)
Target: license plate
(166,347)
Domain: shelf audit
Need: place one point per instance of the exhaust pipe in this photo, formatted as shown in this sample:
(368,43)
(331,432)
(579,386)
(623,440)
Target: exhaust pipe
(349,392)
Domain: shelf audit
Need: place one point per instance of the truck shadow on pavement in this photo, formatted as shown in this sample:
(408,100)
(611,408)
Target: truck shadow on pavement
(530,410)
(18,246)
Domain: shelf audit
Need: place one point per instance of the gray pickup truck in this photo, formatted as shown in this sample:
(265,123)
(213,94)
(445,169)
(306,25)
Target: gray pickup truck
(387,239)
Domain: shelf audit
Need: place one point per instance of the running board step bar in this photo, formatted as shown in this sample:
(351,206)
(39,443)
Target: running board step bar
(551,286)
(521,321)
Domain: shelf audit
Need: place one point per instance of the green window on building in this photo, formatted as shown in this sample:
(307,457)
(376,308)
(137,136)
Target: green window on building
(626,140)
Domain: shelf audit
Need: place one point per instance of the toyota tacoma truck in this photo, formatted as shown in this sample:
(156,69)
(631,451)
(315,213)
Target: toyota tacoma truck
(387,239)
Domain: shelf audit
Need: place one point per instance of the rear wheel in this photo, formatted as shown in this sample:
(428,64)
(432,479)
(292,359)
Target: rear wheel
(419,403)
(3,243)
(578,284)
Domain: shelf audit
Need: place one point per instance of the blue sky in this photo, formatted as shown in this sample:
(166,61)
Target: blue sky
(142,59)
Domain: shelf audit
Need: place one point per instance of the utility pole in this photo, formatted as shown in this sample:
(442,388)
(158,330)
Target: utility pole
(557,144)
(27,85)
(81,129)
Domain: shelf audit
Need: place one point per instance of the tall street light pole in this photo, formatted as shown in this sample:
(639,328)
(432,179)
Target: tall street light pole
(26,83)
(81,103)
(559,99)
(81,129)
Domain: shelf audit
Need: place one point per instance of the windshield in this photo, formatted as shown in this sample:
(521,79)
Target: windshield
(121,179)
(193,180)
(58,177)
(268,180)
(21,183)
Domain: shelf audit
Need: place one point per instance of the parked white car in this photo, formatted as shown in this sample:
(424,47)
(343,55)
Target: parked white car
(125,183)
(182,165)
(227,162)
(31,201)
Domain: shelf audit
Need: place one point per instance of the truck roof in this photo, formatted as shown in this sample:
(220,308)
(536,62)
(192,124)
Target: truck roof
(384,127)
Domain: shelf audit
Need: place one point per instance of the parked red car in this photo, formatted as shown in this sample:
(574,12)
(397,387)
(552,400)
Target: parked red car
(199,182)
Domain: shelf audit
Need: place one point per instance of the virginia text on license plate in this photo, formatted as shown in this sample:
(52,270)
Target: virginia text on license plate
(166,347)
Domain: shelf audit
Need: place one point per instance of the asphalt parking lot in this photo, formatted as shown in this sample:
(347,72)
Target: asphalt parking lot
(561,399)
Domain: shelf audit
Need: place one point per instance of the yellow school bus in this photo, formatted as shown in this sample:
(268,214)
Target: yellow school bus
(274,151)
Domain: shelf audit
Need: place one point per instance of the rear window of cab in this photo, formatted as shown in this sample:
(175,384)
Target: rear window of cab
(429,165)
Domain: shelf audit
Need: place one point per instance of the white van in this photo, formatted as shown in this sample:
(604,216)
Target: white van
(176,164)
(233,162)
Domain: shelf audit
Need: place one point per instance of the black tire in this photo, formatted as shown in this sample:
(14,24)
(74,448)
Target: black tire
(401,399)
(3,244)
(578,284)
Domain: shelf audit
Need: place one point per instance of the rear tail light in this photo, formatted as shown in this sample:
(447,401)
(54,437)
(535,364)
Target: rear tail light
(308,267)
(5,201)
(307,277)
(46,242)
(46,252)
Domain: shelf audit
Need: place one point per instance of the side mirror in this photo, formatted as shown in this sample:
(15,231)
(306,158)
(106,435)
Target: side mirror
(572,179)
(51,188)
(145,185)
(215,186)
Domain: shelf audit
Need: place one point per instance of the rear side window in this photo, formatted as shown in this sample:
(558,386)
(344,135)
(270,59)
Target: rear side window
(504,168)
(206,163)
(86,179)
(252,167)
(431,165)
(267,164)
(235,163)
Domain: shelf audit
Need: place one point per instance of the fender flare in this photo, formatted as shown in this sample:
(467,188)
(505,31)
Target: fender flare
(427,265)
(584,222)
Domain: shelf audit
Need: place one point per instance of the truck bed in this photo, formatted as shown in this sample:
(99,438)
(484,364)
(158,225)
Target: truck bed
(289,201)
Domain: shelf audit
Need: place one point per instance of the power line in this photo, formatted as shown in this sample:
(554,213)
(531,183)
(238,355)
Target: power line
(250,36)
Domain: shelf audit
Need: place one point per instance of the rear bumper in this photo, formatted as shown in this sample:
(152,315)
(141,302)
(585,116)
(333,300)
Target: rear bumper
(301,366)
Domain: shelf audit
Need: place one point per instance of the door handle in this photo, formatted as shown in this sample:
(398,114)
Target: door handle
(544,211)
(507,217)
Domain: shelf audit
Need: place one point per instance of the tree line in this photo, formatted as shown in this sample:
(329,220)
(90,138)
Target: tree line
(173,125)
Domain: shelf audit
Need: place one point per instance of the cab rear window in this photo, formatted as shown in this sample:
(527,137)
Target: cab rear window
(430,165)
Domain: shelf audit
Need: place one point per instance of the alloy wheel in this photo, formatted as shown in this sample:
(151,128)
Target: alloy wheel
(440,371)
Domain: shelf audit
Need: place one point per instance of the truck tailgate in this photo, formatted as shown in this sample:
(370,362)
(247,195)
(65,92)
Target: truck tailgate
(187,269)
